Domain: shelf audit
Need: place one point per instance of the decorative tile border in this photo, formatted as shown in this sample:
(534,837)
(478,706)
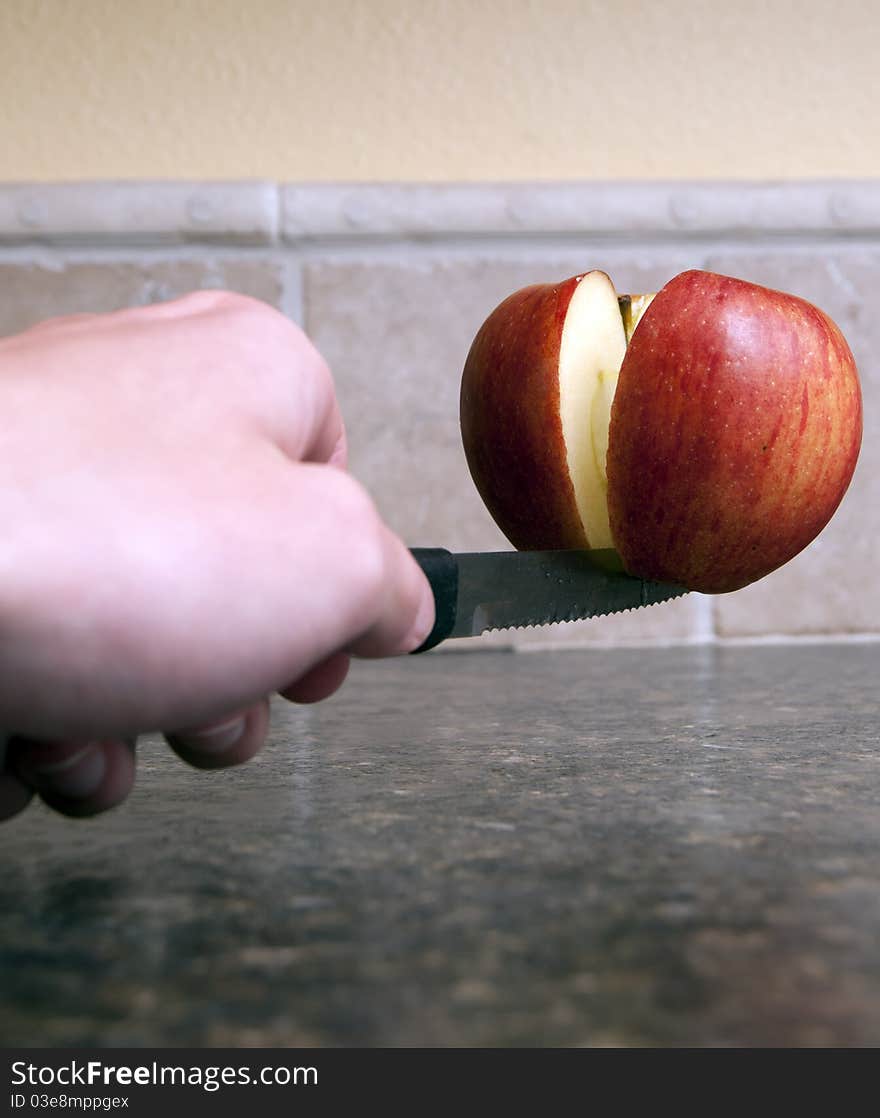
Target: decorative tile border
(636,209)
(264,213)
(139,213)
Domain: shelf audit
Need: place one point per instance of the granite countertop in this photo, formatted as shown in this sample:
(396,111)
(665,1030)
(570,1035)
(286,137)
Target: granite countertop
(669,847)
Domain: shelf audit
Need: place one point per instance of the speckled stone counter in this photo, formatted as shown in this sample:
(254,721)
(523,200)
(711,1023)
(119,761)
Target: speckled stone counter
(676,847)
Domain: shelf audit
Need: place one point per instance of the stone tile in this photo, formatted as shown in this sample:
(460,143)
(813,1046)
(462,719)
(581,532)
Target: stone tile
(31,291)
(396,331)
(832,586)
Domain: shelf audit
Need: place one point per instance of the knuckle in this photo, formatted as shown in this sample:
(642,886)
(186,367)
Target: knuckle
(246,311)
(202,300)
(236,302)
(200,305)
(251,322)
(238,314)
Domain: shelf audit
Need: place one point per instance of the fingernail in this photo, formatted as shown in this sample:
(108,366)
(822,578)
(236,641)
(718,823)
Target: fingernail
(216,738)
(77,776)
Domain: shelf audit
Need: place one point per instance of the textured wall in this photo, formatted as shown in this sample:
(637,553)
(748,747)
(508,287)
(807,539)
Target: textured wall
(392,284)
(405,90)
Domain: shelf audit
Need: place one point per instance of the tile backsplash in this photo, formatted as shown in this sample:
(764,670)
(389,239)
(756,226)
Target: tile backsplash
(392,283)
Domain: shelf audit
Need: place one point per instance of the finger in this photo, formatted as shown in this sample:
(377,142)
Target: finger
(321,681)
(323,439)
(338,579)
(230,740)
(75,778)
(404,614)
(15,795)
(287,381)
(306,421)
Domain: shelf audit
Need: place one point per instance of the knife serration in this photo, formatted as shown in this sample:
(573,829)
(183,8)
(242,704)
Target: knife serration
(515,589)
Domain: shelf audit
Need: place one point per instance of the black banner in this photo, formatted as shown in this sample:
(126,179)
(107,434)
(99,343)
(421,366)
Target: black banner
(258,1082)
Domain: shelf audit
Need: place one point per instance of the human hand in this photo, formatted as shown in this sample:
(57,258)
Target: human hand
(181,541)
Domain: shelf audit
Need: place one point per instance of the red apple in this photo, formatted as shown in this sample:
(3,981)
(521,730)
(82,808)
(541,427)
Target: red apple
(706,433)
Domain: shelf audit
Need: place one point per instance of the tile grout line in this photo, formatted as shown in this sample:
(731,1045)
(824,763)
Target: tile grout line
(293,288)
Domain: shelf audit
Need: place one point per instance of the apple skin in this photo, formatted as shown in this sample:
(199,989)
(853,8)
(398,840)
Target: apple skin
(510,423)
(735,430)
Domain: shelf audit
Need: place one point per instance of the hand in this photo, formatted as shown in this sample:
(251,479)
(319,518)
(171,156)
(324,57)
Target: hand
(180,541)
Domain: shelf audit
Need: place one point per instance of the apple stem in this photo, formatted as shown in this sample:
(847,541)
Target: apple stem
(632,307)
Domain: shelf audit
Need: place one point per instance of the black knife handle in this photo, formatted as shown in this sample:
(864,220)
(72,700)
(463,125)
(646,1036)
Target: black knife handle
(441,569)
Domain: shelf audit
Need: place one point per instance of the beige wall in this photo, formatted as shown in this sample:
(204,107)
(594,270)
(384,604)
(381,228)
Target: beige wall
(433,90)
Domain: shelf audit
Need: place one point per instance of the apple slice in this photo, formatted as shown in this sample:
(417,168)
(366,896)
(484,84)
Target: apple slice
(536,404)
(511,423)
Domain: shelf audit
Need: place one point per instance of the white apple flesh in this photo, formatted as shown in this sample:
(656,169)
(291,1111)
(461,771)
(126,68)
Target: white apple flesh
(595,333)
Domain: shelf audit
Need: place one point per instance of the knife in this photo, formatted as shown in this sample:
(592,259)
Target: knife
(476,591)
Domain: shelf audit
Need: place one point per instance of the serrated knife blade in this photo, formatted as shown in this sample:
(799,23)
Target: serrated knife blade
(478,591)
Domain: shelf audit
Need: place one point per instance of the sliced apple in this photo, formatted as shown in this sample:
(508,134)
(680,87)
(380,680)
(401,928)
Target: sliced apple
(707,442)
